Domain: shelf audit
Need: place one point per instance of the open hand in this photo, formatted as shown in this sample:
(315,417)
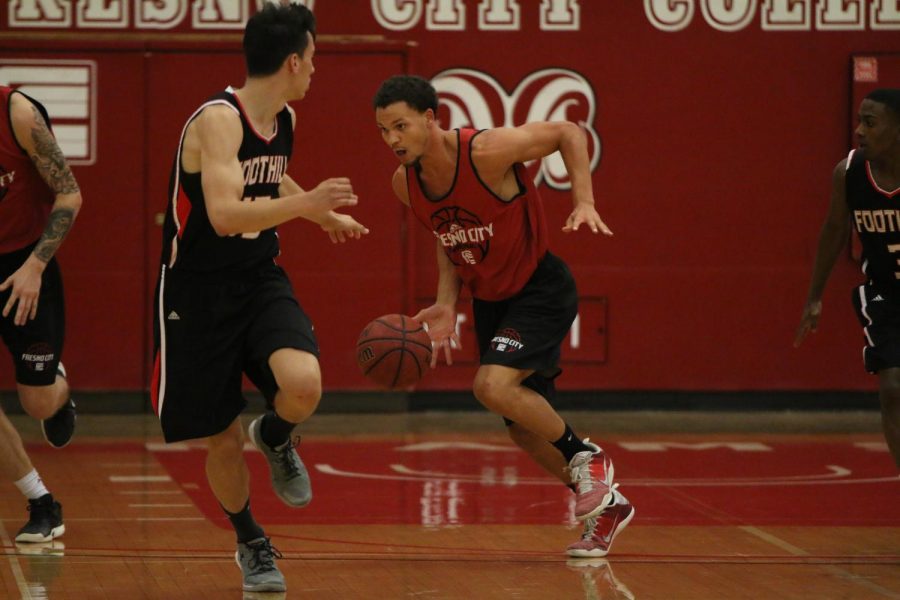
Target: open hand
(25,290)
(440,320)
(586,214)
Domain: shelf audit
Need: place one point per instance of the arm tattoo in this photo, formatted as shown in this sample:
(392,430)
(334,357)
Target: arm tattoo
(57,227)
(49,159)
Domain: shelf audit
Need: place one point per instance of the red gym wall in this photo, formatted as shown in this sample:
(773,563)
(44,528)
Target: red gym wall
(714,124)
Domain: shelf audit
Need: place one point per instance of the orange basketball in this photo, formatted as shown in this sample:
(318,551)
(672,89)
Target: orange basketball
(393,351)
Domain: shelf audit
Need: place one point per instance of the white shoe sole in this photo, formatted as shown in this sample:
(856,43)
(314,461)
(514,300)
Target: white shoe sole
(36,538)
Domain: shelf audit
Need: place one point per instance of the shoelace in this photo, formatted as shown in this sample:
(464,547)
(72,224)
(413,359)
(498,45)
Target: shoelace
(288,459)
(591,524)
(581,477)
(262,556)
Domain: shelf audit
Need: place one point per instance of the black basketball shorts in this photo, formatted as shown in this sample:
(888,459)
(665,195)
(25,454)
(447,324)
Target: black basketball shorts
(879,314)
(37,346)
(209,330)
(526,331)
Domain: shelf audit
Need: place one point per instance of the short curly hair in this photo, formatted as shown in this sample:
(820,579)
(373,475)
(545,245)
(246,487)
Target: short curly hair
(412,89)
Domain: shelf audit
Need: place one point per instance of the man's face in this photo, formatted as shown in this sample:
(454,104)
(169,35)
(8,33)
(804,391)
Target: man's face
(878,132)
(305,67)
(404,130)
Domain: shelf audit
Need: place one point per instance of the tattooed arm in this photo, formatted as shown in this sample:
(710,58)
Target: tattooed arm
(34,136)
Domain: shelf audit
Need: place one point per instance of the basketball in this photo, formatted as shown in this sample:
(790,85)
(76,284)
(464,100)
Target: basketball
(393,351)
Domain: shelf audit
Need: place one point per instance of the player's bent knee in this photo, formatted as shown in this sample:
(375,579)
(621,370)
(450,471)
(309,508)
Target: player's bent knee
(304,390)
(490,393)
(38,402)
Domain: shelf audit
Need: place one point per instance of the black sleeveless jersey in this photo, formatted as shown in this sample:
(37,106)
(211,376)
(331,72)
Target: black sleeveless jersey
(876,216)
(189,241)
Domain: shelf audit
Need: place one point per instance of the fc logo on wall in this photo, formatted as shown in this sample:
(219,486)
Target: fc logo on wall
(475,99)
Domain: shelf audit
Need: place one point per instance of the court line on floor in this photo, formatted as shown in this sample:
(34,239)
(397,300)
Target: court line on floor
(14,565)
(456,555)
(833,472)
(800,553)
(478,479)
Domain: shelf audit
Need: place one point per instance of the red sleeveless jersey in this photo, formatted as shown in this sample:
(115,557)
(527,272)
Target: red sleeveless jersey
(25,200)
(495,243)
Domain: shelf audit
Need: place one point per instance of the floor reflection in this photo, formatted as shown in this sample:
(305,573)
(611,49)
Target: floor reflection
(41,565)
(598,580)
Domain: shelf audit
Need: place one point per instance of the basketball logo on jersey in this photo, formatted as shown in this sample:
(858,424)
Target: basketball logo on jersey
(6,179)
(507,340)
(465,239)
(36,356)
(473,99)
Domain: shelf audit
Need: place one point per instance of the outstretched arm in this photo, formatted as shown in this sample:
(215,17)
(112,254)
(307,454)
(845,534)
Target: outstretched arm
(832,239)
(219,133)
(498,149)
(34,136)
(338,226)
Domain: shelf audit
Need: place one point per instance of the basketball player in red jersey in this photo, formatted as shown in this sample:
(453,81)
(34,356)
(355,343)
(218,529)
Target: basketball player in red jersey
(223,306)
(470,188)
(866,186)
(39,199)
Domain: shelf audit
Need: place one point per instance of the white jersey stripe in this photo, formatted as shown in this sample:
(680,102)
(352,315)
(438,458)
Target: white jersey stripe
(161,392)
(863,303)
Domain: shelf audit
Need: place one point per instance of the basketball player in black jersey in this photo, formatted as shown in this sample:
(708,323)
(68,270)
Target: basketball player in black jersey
(223,306)
(865,192)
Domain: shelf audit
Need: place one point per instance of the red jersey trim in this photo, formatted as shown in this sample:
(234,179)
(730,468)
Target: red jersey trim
(176,191)
(240,104)
(455,175)
(876,186)
(182,212)
(522,188)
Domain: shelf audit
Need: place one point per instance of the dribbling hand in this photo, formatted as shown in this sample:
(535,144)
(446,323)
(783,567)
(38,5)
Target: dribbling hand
(441,324)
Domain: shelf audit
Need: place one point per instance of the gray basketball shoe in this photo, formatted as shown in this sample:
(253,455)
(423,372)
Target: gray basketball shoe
(290,479)
(256,559)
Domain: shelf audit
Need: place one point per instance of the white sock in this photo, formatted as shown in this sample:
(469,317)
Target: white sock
(31,486)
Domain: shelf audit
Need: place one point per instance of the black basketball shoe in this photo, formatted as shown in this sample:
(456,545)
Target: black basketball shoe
(59,428)
(44,522)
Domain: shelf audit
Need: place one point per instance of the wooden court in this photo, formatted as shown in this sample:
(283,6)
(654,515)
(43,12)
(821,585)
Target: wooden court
(442,506)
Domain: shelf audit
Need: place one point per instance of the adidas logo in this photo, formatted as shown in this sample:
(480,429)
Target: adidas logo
(878,298)
(173,316)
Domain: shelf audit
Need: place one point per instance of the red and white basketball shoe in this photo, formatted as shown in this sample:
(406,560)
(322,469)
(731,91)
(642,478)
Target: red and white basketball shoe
(592,474)
(600,532)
